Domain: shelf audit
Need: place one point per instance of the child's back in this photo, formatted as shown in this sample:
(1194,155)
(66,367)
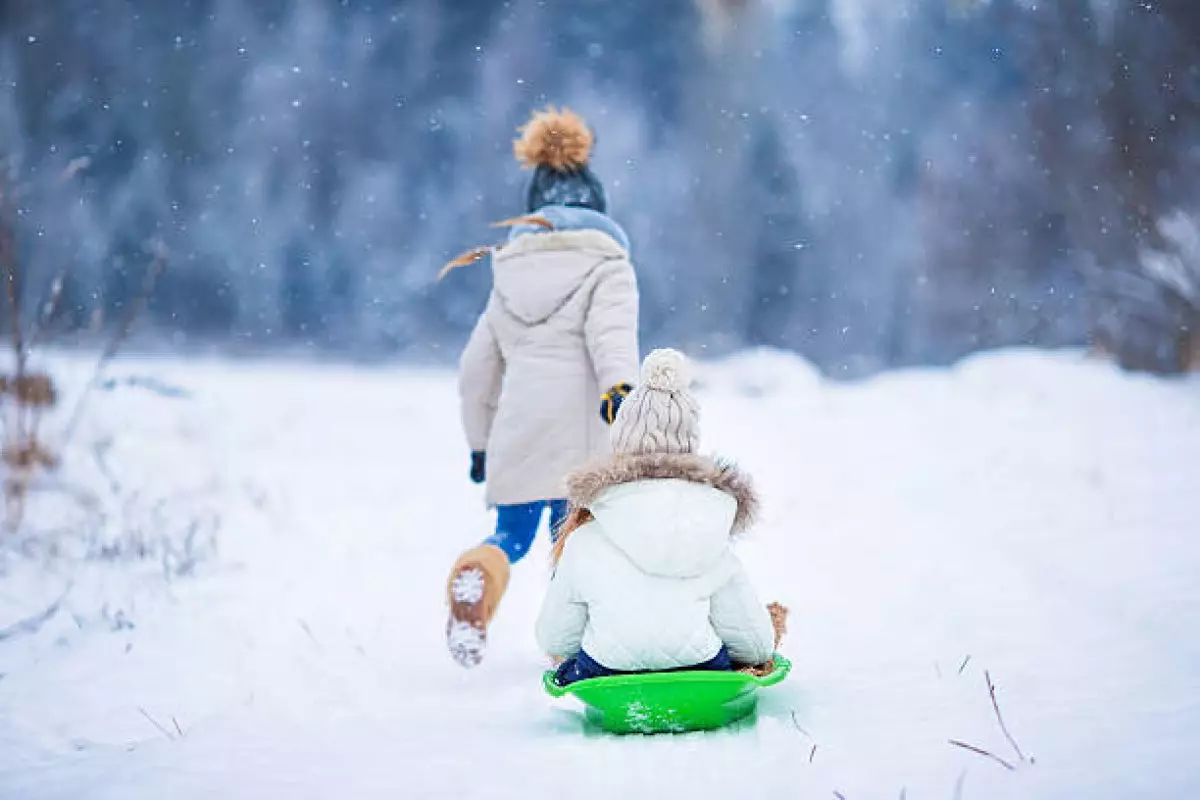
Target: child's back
(560,328)
(546,365)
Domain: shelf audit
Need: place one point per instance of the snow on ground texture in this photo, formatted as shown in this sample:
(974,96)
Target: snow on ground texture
(1029,514)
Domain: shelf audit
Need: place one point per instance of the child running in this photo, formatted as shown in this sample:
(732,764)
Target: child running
(548,363)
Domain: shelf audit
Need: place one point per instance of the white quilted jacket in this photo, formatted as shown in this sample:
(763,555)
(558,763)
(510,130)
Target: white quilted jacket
(651,582)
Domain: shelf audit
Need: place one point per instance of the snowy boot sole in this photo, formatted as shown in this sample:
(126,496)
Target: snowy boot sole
(477,582)
(466,633)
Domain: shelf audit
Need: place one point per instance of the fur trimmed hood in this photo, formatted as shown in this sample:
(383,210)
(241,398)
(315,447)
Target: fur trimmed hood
(585,486)
(536,275)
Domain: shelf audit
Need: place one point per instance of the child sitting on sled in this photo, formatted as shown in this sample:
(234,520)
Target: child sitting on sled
(644,578)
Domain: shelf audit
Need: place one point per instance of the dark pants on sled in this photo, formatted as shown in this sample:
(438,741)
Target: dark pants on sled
(517,526)
(581,666)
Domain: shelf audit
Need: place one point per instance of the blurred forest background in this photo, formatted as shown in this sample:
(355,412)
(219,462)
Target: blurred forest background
(871,183)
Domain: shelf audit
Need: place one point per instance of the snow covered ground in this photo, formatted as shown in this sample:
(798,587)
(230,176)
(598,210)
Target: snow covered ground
(249,566)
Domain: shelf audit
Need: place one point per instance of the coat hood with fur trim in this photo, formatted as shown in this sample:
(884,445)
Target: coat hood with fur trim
(536,274)
(672,515)
(585,486)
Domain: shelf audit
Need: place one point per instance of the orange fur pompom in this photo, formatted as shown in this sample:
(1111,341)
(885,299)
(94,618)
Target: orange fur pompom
(557,139)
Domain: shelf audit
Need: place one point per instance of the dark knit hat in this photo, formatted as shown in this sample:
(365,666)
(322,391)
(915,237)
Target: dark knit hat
(557,145)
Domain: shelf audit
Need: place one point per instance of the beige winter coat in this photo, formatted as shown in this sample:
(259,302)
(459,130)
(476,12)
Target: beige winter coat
(559,329)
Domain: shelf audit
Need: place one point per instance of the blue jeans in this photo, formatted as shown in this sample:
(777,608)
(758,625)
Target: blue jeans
(581,666)
(517,526)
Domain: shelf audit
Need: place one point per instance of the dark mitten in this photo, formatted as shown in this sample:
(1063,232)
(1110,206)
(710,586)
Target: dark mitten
(610,403)
(478,466)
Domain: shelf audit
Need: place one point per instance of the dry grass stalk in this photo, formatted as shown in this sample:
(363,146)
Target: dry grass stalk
(1000,718)
(48,310)
(33,390)
(34,624)
(1003,727)
(27,456)
(23,452)
(118,338)
(154,722)
(149,280)
(24,460)
(9,268)
(32,393)
(20,450)
(984,753)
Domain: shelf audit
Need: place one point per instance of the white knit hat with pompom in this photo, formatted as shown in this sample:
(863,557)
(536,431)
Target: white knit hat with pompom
(659,415)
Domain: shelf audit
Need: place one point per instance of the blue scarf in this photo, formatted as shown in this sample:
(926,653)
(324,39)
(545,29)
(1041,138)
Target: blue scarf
(573,218)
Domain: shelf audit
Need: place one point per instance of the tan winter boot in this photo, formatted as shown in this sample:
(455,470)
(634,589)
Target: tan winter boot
(476,585)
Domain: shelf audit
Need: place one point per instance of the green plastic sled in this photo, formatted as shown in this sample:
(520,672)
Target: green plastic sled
(668,702)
